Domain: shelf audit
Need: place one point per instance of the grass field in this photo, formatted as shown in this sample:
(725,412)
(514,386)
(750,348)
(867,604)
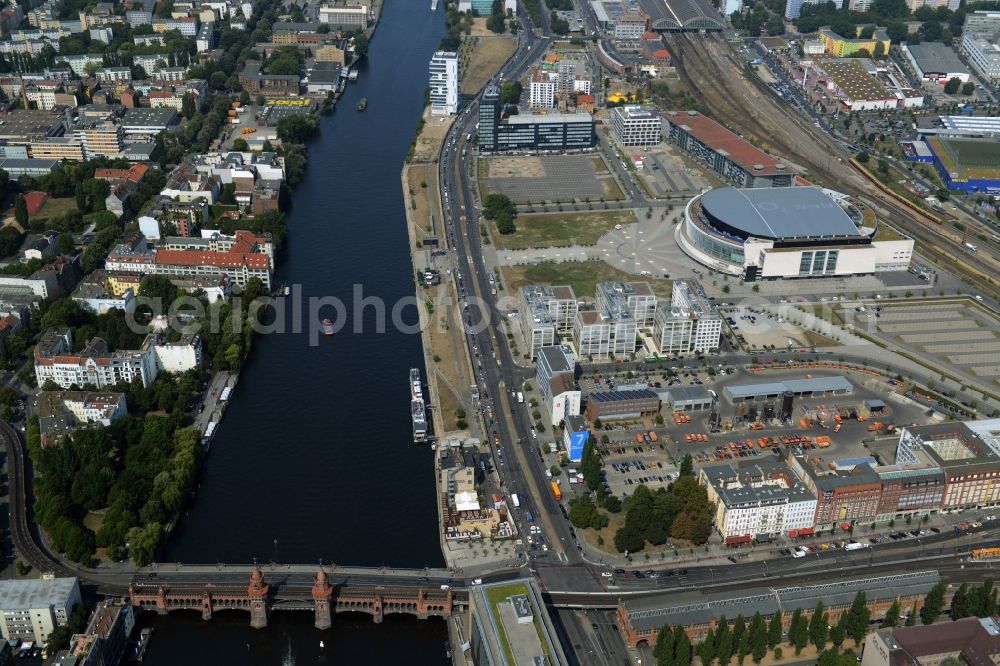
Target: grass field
(583,276)
(562,229)
(489,54)
(54,207)
(971,159)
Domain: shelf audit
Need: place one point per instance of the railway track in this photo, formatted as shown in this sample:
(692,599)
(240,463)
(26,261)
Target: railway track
(755,111)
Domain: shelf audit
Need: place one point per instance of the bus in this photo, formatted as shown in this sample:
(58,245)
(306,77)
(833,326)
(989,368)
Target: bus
(520,398)
(515,501)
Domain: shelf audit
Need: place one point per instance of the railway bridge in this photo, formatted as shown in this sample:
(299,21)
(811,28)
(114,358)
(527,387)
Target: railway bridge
(259,597)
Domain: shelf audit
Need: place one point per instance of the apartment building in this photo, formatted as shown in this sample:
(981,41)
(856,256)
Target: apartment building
(673,330)
(637,297)
(96,364)
(545,313)
(633,125)
(31,609)
(754,498)
(61,413)
(444,83)
(555,374)
(541,89)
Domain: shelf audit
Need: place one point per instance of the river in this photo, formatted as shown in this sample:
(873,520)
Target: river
(314,459)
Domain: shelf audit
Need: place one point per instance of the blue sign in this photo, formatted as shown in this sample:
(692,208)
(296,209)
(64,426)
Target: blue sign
(576,442)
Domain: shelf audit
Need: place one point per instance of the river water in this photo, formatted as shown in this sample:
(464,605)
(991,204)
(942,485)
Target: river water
(314,459)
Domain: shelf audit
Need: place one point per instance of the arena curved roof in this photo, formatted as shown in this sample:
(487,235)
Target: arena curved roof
(779,212)
(682,15)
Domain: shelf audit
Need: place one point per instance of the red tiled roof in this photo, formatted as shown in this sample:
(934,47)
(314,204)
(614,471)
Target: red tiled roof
(661,53)
(718,138)
(251,260)
(580,99)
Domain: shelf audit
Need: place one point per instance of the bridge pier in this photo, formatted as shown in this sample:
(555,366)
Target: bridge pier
(321,593)
(257,591)
(206,606)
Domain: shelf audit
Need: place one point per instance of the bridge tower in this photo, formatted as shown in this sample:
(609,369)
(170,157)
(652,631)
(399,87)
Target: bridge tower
(258,592)
(321,593)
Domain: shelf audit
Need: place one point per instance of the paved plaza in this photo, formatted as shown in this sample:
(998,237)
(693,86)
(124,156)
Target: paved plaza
(549,178)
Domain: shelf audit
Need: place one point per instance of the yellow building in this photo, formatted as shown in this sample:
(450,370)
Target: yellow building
(844,47)
(118,283)
(57,148)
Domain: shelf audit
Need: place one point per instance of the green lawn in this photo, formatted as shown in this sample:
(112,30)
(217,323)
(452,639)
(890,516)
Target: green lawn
(583,276)
(56,206)
(498,595)
(562,229)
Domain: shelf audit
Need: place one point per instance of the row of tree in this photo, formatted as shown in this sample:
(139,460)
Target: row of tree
(499,208)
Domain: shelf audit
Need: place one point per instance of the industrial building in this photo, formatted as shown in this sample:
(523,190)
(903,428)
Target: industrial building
(640,619)
(755,499)
(636,126)
(555,374)
(687,398)
(817,386)
(771,233)
(730,156)
(682,15)
(608,405)
(935,62)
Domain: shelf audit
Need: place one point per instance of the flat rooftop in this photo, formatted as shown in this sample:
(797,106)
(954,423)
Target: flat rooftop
(811,386)
(29,594)
(726,143)
(550,118)
(935,57)
(852,79)
(780,212)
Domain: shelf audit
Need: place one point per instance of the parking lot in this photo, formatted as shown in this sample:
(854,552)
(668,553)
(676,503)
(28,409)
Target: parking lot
(551,178)
(958,334)
(667,174)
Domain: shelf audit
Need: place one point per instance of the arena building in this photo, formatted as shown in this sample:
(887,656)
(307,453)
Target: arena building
(786,232)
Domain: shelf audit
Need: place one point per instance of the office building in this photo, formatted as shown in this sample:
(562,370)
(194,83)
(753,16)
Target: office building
(545,313)
(103,642)
(754,498)
(575,436)
(981,43)
(348,18)
(444,83)
(730,156)
(501,133)
(635,126)
(673,330)
(510,626)
(968,455)
(637,297)
(555,374)
(31,609)
(688,301)
(630,26)
(57,148)
(843,496)
(970,641)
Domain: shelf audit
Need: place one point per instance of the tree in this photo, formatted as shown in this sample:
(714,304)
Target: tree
(839,631)
(984,600)
(798,631)
(933,603)
(968,88)
(590,465)
(687,466)
(758,637)
(774,630)
(582,511)
(891,618)
(951,87)
(863,157)
(360,41)
(819,626)
(663,650)
(723,642)
(21,211)
(510,92)
(682,647)
(158,287)
(961,603)
(911,618)
(858,618)
(189,107)
(706,649)
(240,145)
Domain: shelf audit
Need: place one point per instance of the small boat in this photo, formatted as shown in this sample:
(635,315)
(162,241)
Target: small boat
(363,104)
(286,291)
(327,327)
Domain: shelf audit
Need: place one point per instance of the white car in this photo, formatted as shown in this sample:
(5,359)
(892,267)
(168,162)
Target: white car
(534,433)
(979,298)
(618,227)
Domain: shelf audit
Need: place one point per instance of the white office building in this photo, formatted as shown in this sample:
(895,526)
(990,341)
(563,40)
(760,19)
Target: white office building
(32,609)
(635,126)
(444,83)
(637,297)
(688,295)
(556,378)
(981,42)
(545,313)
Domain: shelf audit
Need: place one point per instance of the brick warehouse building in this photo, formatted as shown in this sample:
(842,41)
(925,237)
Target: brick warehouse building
(641,619)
